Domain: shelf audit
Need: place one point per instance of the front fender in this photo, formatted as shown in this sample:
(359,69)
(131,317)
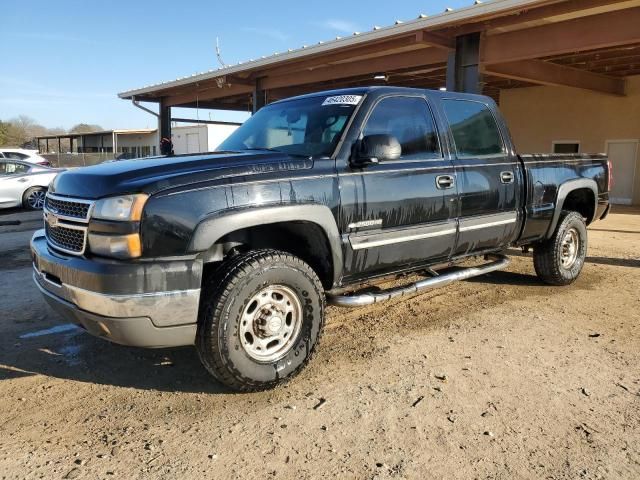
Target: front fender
(210,230)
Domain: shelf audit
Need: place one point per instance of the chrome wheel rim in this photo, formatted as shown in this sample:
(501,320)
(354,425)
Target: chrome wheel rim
(270,323)
(569,248)
(36,199)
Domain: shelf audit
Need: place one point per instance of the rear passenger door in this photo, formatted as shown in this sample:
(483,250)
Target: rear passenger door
(394,213)
(488,177)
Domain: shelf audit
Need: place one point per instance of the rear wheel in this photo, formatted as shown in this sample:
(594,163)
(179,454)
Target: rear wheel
(33,198)
(261,317)
(559,260)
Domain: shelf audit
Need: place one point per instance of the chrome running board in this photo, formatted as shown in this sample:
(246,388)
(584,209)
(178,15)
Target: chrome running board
(358,300)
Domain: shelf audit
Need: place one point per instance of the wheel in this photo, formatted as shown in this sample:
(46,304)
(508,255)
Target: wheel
(261,317)
(33,198)
(559,260)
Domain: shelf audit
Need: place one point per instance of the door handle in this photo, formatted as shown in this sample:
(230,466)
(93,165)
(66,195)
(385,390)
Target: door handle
(506,177)
(444,182)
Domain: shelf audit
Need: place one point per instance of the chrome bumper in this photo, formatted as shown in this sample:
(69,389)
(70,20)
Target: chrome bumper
(146,319)
(163,308)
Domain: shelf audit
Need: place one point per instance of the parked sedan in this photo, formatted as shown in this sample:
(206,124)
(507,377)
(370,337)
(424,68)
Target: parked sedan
(25,155)
(24,184)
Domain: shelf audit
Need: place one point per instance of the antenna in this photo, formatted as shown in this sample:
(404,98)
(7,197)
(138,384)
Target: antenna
(219,55)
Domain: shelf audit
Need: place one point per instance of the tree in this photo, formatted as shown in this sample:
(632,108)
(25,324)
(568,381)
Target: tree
(85,128)
(4,131)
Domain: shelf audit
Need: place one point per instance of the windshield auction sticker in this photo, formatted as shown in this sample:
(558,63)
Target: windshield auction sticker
(342,100)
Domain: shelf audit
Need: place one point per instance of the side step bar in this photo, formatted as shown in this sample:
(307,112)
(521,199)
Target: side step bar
(358,300)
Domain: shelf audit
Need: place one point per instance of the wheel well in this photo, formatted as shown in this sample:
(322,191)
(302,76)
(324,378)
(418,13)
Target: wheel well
(305,240)
(582,201)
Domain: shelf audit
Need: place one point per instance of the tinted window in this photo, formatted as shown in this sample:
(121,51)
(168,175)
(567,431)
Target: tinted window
(15,155)
(566,147)
(410,121)
(11,168)
(474,129)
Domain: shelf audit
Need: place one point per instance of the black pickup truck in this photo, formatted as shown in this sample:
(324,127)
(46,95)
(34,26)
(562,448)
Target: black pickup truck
(235,251)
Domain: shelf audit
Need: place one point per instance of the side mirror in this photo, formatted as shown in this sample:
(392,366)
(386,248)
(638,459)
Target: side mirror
(374,148)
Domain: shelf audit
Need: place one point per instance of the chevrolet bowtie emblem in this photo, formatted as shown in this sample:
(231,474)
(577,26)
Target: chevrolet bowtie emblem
(52,220)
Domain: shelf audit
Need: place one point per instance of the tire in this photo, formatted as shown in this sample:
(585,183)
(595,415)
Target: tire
(252,301)
(33,198)
(559,260)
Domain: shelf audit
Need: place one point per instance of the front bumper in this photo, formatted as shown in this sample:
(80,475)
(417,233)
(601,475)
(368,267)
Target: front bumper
(137,303)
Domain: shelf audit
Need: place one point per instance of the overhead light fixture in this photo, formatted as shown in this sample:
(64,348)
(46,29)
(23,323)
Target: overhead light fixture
(443,89)
(380,77)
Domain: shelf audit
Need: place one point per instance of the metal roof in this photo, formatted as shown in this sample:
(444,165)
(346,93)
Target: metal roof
(102,132)
(423,22)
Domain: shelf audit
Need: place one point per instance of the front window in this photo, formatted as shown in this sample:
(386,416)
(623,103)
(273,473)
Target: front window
(409,120)
(11,168)
(307,127)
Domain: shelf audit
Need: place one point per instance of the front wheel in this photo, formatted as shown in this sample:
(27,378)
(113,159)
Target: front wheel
(260,320)
(559,260)
(33,198)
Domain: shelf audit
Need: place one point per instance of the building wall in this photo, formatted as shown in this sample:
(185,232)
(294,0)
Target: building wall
(539,115)
(199,138)
(137,144)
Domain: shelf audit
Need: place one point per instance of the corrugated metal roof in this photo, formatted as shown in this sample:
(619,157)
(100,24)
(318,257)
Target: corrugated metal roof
(423,22)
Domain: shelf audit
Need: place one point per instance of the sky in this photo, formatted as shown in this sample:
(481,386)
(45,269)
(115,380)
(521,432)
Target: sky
(63,62)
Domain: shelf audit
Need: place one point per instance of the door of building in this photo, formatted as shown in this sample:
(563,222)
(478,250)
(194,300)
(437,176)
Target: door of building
(623,156)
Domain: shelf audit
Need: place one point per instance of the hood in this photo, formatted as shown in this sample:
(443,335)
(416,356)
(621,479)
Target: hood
(151,175)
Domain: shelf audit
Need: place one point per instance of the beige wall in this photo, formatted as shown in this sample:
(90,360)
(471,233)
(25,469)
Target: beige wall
(539,115)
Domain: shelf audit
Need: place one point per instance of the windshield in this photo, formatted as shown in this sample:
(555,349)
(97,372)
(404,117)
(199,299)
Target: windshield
(307,127)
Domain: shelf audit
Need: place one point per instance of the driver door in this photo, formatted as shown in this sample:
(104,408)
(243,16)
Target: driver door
(398,213)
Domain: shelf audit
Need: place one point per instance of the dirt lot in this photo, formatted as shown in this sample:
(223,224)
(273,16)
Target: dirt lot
(500,377)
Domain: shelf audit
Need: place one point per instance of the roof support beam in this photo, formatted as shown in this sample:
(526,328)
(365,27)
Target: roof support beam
(203,95)
(547,73)
(530,14)
(587,33)
(378,65)
(417,40)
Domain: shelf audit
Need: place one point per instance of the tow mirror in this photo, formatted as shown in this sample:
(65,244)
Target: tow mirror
(375,148)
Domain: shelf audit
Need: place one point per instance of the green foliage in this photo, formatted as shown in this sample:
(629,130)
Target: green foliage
(4,132)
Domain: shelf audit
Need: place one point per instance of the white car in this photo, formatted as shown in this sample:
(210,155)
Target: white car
(25,155)
(24,184)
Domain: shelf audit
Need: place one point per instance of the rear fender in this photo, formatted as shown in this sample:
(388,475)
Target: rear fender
(563,192)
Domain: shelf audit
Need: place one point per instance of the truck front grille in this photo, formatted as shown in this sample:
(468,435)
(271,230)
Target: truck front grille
(70,240)
(68,208)
(66,223)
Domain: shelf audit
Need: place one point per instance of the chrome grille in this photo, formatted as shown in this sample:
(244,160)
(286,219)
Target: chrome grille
(68,208)
(65,223)
(70,240)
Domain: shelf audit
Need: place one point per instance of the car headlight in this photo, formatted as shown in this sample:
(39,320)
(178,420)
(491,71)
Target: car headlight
(126,207)
(123,241)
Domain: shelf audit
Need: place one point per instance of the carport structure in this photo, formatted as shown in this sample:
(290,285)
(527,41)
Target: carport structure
(487,47)
(582,55)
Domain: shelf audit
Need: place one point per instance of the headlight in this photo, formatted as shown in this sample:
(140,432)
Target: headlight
(126,207)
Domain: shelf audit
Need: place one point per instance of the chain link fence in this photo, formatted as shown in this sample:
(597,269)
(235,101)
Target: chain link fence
(74,160)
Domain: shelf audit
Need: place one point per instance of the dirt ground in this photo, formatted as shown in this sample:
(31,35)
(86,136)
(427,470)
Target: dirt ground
(500,377)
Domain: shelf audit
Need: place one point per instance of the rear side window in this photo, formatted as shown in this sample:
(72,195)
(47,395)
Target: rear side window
(409,120)
(474,128)
(16,155)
